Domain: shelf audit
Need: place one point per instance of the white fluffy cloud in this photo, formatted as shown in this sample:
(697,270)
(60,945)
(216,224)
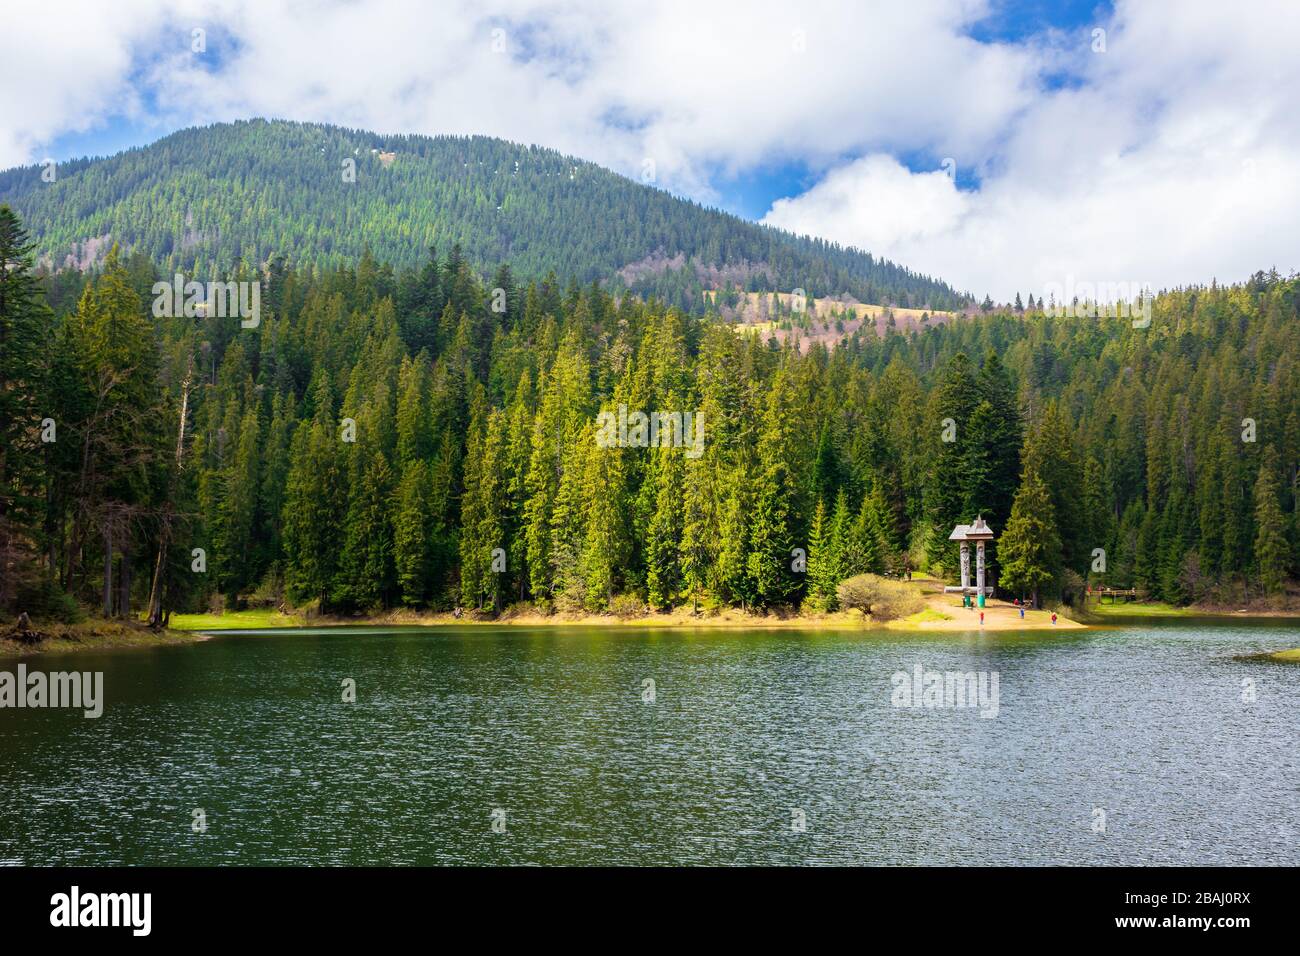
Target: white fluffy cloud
(1169,158)
(698,88)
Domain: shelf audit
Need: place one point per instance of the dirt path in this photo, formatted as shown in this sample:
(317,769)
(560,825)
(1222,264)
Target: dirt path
(998,615)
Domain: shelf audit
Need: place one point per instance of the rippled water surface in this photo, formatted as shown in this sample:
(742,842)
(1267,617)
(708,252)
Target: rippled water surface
(550,726)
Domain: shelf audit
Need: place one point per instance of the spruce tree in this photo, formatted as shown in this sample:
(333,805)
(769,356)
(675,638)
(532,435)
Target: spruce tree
(366,574)
(24,325)
(1271,551)
(948,420)
(411,534)
(664,535)
(1030,546)
(823,562)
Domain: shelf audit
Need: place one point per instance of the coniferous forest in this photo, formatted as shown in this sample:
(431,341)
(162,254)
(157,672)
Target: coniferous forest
(426,437)
(206,199)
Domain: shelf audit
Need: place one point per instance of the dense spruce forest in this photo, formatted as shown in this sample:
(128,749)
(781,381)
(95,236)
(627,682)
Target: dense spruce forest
(215,198)
(380,433)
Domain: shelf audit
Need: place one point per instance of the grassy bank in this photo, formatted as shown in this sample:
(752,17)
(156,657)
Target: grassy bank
(1158,609)
(254,619)
(681,617)
(1139,609)
(935,611)
(93,634)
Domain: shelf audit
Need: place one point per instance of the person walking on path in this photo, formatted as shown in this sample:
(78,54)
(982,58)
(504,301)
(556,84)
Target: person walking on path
(1053,617)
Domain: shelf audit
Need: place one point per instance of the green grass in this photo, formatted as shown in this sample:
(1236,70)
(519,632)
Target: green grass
(233,620)
(91,634)
(929,614)
(1138,609)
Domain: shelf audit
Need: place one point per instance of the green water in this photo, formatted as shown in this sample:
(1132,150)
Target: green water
(550,728)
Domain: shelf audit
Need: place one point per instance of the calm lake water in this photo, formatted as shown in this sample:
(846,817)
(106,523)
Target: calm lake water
(550,730)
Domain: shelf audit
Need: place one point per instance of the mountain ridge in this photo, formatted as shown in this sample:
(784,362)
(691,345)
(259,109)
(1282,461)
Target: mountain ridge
(209,198)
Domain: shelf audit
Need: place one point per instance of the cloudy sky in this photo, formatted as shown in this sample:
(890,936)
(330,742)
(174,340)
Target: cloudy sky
(1003,146)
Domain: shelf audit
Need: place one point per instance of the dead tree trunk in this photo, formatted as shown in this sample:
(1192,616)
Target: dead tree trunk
(108,570)
(124,583)
(156,616)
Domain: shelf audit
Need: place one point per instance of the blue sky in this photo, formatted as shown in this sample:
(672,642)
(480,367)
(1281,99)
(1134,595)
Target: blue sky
(1074,132)
(749,193)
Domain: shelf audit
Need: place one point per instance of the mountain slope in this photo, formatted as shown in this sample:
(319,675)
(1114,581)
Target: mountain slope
(210,197)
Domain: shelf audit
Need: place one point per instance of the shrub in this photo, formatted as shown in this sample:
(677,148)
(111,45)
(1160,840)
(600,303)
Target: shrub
(883,599)
(46,601)
(269,593)
(570,602)
(627,605)
(1072,585)
(817,604)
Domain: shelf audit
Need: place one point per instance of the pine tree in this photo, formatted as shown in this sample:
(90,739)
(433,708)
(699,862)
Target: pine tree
(366,574)
(1030,546)
(1146,567)
(823,562)
(866,551)
(1097,516)
(769,559)
(567,524)
(121,429)
(1050,453)
(701,531)
(415,435)
(1271,551)
(734,585)
(24,325)
(664,535)
(275,472)
(488,536)
(412,532)
(1000,434)
(518,454)
(234,552)
(606,547)
(314,505)
(841,535)
(950,409)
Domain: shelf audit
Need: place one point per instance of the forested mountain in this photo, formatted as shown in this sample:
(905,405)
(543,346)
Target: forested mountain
(383,439)
(211,199)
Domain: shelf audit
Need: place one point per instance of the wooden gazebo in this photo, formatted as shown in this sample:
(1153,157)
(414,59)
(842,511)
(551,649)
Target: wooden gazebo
(979,532)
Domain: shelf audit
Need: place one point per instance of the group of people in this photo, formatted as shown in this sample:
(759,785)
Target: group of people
(1020,606)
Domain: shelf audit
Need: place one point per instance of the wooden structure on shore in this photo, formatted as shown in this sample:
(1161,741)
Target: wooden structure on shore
(979,532)
(1115,593)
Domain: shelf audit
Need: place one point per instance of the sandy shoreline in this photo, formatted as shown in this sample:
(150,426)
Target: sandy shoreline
(940,613)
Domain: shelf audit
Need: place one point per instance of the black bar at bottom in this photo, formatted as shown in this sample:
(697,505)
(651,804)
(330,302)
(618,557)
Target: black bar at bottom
(974,904)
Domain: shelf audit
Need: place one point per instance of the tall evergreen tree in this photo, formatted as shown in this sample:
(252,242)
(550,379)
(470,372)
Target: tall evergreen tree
(1030,546)
(1271,549)
(25,322)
